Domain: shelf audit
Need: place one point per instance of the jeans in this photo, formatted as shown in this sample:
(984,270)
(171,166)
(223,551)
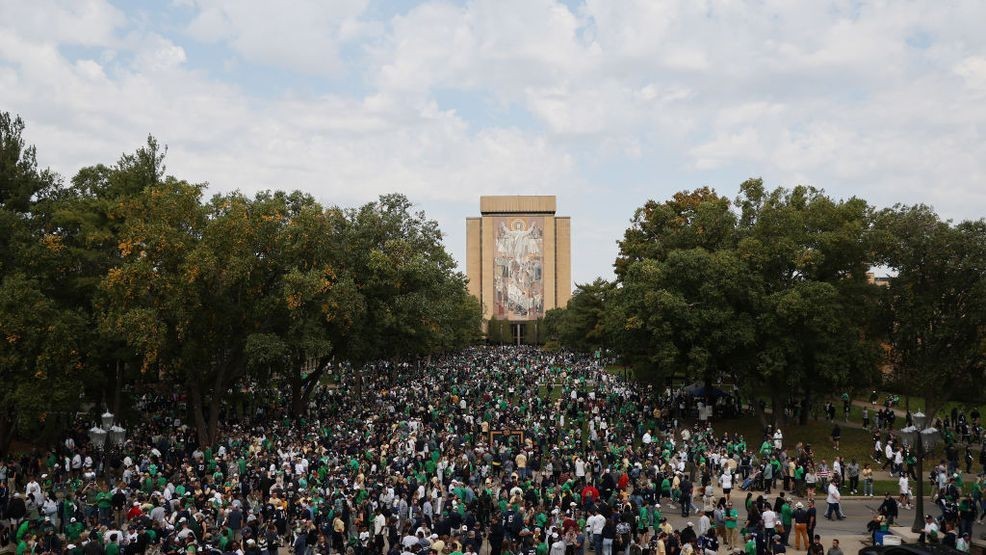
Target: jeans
(868,486)
(597,543)
(833,508)
(607,546)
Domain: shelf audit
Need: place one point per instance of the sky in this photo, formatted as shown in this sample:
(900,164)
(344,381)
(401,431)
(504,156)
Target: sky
(604,103)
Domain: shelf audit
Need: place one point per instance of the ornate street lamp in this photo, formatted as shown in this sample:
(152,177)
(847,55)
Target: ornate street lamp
(924,440)
(117,436)
(106,435)
(97,436)
(107,420)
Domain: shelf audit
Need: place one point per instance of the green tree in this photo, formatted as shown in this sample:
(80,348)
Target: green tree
(815,308)
(581,325)
(40,351)
(682,305)
(936,302)
(40,358)
(771,290)
(413,295)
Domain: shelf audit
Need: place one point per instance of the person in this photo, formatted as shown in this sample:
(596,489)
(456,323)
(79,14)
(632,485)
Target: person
(867,474)
(786,519)
(889,509)
(609,535)
(778,545)
(905,491)
(800,527)
(726,481)
(875,525)
(835,549)
(833,499)
(836,436)
(731,518)
(709,543)
(852,470)
(929,534)
(812,518)
(816,547)
(595,525)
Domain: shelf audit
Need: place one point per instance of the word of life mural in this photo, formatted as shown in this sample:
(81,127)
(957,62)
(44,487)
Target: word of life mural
(517,279)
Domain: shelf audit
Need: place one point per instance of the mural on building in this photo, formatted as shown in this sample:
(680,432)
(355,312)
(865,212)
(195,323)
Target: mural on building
(517,280)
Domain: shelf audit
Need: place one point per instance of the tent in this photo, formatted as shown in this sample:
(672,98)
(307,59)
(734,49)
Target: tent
(697,389)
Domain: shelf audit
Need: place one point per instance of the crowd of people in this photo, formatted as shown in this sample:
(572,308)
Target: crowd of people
(499,450)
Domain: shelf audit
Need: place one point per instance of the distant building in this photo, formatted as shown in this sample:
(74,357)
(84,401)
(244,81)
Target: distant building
(882,281)
(518,260)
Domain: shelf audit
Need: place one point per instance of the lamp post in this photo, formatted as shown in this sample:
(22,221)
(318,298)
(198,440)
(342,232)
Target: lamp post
(106,435)
(924,440)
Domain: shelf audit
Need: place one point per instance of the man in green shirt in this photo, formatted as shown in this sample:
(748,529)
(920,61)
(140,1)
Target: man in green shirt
(73,530)
(26,545)
(751,546)
(104,501)
(787,519)
(731,518)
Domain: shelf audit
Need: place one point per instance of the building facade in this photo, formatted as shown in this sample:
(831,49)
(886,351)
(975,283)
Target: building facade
(518,260)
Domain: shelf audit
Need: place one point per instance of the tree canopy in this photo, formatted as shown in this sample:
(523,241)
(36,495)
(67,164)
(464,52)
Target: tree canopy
(127,275)
(772,291)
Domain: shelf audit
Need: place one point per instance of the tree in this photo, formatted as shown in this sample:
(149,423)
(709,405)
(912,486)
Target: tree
(21,181)
(809,256)
(40,350)
(307,297)
(936,301)
(774,294)
(413,295)
(40,357)
(683,300)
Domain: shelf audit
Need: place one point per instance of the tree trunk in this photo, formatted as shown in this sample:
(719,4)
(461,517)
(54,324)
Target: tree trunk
(295,382)
(117,387)
(195,400)
(761,414)
(213,418)
(6,431)
(805,409)
(777,409)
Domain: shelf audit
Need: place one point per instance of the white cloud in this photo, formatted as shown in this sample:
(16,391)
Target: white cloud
(78,22)
(603,103)
(302,35)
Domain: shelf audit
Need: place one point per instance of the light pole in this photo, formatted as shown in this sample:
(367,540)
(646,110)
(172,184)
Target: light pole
(924,441)
(106,430)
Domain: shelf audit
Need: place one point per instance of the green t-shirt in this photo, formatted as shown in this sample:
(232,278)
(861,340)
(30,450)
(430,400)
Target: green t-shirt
(751,547)
(786,514)
(73,530)
(731,519)
(22,530)
(113,548)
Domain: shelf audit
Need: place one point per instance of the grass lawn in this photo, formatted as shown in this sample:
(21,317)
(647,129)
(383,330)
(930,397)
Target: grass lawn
(552,395)
(881,487)
(855,442)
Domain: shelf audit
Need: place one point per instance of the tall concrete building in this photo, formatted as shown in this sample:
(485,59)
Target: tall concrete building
(519,259)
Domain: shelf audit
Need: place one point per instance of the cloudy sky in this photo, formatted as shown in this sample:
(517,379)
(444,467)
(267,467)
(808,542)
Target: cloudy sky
(604,103)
